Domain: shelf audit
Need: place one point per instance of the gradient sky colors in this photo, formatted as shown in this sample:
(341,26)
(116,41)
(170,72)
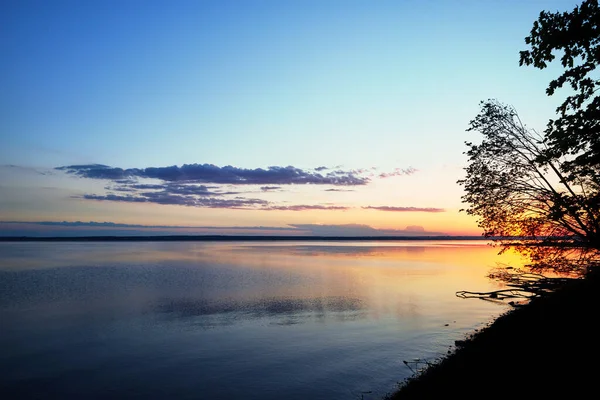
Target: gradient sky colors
(280,114)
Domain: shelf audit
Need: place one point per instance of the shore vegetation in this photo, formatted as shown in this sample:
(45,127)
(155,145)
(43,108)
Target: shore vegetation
(537,192)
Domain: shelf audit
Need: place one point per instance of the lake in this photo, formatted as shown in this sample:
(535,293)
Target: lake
(234,320)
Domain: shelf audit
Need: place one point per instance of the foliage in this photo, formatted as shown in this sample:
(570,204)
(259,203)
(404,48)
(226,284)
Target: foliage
(544,189)
(576,131)
(517,191)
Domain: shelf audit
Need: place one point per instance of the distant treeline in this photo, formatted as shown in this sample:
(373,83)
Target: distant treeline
(225,238)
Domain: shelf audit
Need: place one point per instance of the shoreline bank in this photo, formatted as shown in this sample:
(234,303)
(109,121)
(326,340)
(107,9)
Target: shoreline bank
(547,347)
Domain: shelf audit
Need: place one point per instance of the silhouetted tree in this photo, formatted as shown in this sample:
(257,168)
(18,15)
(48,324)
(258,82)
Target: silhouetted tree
(575,36)
(518,191)
(545,188)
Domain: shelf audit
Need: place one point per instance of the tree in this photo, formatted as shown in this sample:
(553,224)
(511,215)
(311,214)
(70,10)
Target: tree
(518,191)
(544,189)
(576,131)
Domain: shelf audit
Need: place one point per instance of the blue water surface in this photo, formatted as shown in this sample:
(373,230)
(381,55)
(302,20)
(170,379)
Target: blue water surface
(232,320)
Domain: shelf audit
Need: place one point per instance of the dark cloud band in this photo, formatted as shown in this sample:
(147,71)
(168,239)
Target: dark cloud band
(209,173)
(189,185)
(174,199)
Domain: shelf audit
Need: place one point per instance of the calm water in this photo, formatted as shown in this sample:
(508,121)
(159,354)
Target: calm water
(232,320)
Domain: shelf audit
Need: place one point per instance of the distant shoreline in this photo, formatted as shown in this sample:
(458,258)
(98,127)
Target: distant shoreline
(213,238)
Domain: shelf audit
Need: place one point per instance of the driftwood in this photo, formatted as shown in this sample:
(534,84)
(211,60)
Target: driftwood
(418,365)
(521,286)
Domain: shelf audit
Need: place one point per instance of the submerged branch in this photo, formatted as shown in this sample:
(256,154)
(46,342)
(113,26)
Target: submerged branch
(520,285)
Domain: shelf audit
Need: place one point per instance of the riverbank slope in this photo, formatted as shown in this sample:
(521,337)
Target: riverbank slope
(549,347)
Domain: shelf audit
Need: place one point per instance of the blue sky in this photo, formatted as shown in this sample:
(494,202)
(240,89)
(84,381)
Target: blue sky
(363,88)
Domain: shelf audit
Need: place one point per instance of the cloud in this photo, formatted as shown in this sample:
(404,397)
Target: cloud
(337,230)
(267,188)
(169,189)
(200,196)
(120,189)
(362,230)
(151,186)
(114,197)
(100,171)
(405,209)
(175,199)
(303,207)
(209,173)
(204,185)
(200,190)
(415,228)
(398,172)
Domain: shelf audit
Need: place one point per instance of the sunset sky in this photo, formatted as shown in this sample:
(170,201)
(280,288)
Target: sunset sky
(278,117)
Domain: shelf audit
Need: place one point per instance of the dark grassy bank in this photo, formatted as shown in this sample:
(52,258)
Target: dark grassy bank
(546,349)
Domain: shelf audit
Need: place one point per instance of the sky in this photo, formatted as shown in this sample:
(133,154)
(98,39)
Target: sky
(253,117)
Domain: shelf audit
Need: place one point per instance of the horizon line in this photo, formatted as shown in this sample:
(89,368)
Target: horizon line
(233,238)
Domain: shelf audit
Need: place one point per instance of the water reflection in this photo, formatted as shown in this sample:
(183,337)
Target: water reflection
(281,320)
(251,279)
(282,311)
